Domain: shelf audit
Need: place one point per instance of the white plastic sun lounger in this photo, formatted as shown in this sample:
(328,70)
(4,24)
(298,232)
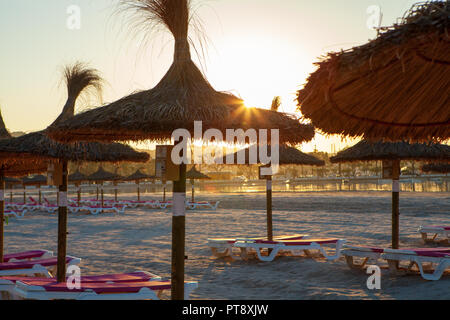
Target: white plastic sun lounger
(143,290)
(37,267)
(367,254)
(439,261)
(7,284)
(223,247)
(202,205)
(442,231)
(295,247)
(16,214)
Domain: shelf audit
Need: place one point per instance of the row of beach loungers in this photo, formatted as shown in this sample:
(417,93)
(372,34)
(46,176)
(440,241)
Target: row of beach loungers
(29,275)
(94,206)
(430,262)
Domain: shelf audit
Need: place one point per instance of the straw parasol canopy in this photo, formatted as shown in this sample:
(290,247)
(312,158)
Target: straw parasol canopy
(288,155)
(180,98)
(368,151)
(102,175)
(437,168)
(194,174)
(18,167)
(77,177)
(37,180)
(38,147)
(394,88)
(138,176)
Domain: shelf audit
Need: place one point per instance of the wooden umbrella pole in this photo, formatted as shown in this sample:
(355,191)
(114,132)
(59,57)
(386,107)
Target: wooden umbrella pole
(97,193)
(79,194)
(115,191)
(62,225)
(395,205)
(164,191)
(103,199)
(178,234)
(193,190)
(40,195)
(269,208)
(138,191)
(2,211)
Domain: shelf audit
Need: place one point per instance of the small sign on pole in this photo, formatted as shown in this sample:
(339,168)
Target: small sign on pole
(391,169)
(54,174)
(261,175)
(165,168)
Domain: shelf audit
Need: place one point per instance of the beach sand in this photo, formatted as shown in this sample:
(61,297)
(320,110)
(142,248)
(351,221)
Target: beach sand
(141,240)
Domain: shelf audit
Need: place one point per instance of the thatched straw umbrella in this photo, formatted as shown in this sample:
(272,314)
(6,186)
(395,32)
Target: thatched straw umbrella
(437,168)
(38,147)
(38,181)
(101,176)
(14,168)
(287,156)
(182,97)
(193,175)
(137,177)
(395,152)
(77,178)
(393,88)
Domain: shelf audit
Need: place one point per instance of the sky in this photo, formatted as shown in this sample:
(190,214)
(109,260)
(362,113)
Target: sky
(256,49)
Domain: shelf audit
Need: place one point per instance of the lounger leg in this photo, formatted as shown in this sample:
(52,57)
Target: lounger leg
(268,258)
(393,266)
(337,253)
(223,254)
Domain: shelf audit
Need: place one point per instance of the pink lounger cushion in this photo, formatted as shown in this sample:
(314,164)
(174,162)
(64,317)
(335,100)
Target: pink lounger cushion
(102,288)
(33,254)
(280,238)
(436,254)
(439,227)
(300,242)
(117,278)
(30,264)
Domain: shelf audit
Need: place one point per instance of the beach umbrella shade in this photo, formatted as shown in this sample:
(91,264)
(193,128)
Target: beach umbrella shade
(287,156)
(395,152)
(137,177)
(436,168)
(37,147)
(193,175)
(101,176)
(12,168)
(37,180)
(182,97)
(393,88)
(77,178)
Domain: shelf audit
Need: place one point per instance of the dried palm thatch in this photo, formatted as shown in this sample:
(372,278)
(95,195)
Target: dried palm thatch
(37,180)
(18,167)
(180,98)
(77,177)
(194,174)
(38,147)
(368,151)
(138,176)
(394,88)
(288,155)
(437,168)
(101,175)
